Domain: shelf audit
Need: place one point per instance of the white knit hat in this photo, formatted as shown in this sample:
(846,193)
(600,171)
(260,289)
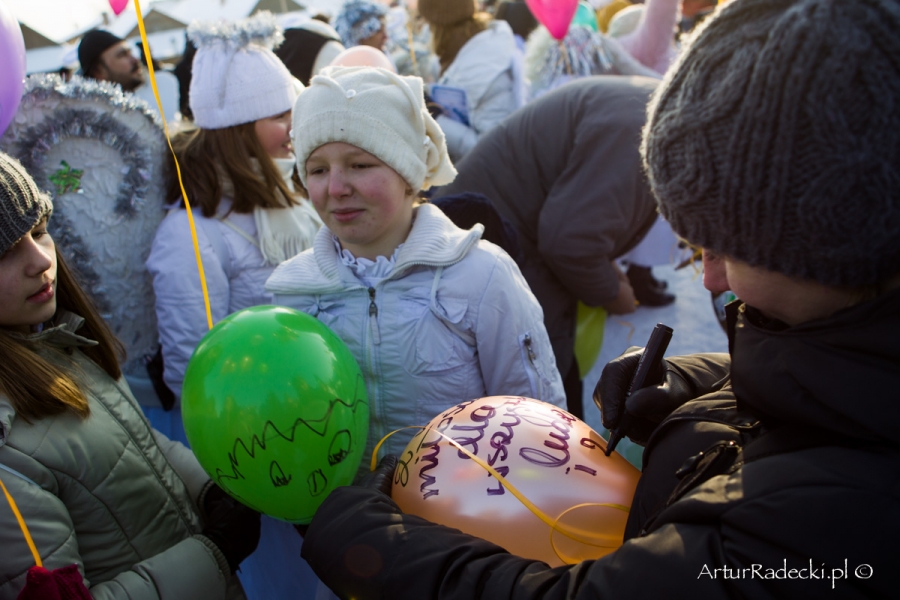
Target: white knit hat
(376,110)
(236,77)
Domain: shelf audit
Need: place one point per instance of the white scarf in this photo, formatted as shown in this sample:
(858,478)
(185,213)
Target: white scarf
(286,232)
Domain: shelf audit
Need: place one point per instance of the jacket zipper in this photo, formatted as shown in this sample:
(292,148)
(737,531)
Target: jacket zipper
(375,405)
(373,317)
(532,359)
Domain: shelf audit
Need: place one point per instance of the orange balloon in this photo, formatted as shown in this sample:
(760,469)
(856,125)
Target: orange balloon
(550,457)
(363,56)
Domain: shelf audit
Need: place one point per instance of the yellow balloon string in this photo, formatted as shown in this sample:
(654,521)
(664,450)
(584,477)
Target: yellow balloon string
(22,526)
(187,204)
(587,538)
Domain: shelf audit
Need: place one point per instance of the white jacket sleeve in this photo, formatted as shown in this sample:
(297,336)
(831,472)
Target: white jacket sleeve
(497,103)
(180,309)
(486,112)
(513,346)
(189,569)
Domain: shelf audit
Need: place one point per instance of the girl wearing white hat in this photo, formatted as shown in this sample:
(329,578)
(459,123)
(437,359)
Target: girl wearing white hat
(238,170)
(433,314)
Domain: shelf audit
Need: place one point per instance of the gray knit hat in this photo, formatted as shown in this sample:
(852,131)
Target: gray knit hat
(776,138)
(22,204)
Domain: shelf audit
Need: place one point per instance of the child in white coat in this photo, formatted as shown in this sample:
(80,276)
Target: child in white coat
(249,217)
(433,314)
(237,169)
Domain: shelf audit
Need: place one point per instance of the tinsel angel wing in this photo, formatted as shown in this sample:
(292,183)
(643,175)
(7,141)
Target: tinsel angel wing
(99,152)
(261,29)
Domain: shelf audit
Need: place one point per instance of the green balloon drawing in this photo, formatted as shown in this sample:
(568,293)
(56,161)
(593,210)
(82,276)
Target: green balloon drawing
(275,408)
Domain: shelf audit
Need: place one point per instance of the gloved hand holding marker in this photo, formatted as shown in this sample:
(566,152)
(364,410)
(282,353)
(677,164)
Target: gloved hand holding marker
(647,372)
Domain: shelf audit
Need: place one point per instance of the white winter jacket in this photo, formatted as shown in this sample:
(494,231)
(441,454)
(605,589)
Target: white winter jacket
(488,67)
(106,493)
(454,320)
(235,272)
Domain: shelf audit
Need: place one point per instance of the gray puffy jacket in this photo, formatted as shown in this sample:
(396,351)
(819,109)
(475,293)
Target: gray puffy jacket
(107,493)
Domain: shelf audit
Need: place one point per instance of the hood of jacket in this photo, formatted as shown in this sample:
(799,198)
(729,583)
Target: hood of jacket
(840,374)
(481,60)
(433,241)
(61,335)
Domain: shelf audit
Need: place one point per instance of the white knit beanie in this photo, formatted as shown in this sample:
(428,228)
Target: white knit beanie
(376,110)
(236,77)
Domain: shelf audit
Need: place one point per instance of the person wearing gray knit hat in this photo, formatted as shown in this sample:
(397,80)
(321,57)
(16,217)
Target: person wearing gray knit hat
(782,149)
(22,204)
(768,472)
(63,398)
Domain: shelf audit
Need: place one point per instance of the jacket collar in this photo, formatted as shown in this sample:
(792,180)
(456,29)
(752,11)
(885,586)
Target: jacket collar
(61,335)
(434,241)
(840,374)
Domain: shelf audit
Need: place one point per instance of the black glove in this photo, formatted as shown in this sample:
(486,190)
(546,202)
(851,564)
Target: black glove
(678,380)
(231,526)
(382,477)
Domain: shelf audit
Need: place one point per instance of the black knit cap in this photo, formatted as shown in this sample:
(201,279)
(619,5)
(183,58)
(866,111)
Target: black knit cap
(776,138)
(93,44)
(22,204)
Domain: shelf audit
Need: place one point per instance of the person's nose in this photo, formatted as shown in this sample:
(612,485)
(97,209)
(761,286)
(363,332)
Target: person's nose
(38,257)
(338,184)
(715,278)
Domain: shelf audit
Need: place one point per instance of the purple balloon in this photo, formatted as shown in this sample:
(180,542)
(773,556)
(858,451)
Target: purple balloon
(12,66)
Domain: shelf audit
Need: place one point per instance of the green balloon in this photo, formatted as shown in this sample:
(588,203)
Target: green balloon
(275,409)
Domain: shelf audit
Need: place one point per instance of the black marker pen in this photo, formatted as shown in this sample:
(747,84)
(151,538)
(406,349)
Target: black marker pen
(650,358)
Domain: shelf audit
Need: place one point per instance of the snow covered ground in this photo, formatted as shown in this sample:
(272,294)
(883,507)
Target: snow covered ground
(695,328)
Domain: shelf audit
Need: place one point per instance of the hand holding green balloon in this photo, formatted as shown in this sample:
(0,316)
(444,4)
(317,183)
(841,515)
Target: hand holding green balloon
(275,409)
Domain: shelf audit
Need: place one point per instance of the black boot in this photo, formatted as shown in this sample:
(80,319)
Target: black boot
(648,290)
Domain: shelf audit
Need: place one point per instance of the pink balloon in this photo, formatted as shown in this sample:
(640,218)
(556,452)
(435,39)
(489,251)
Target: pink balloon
(12,66)
(555,15)
(363,56)
(118,5)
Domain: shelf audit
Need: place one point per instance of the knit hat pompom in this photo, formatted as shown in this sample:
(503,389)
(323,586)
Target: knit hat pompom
(236,77)
(22,204)
(775,139)
(378,111)
(446,12)
(358,20)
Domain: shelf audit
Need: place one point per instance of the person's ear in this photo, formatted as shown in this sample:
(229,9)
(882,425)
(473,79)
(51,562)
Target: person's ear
(99,71)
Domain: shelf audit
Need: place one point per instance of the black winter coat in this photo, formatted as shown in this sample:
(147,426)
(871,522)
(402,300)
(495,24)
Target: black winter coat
(821,521)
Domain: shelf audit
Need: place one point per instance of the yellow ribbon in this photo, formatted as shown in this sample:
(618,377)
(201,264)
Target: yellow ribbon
(187,204)
(587,538)
(22,526)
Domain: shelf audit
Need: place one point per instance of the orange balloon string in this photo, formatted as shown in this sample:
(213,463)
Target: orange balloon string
(187,204)
(22,526)
(588,538)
